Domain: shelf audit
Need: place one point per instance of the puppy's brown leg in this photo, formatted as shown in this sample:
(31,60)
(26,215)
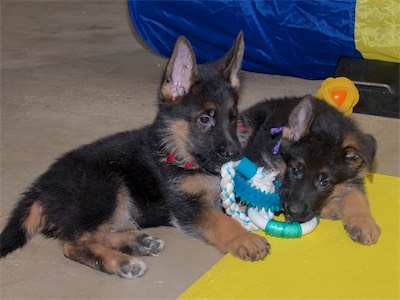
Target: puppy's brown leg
(357,218)
(134,243)
(106,259)
(332,208)
(229,236)
(96,250)
(217,228)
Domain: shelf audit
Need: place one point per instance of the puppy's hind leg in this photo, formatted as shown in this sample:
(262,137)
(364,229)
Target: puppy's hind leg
(105,259)
(134,242)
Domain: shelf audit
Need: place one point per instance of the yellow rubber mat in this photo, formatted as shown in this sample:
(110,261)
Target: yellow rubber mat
(324,264)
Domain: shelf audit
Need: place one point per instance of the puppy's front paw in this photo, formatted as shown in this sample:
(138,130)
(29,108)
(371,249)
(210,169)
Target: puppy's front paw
(363,230)
(249,246)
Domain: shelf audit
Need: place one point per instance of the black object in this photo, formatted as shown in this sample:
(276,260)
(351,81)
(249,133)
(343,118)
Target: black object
(377,83)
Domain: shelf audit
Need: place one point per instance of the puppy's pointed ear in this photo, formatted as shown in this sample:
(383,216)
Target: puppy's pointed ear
(300,120)
(359,150)
(231,63)
(180,72)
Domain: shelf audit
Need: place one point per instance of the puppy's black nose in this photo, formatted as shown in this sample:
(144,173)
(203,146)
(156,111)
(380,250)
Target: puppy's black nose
(294,212)
(229,152)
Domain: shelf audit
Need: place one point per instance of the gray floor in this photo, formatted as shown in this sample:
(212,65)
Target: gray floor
(71,72)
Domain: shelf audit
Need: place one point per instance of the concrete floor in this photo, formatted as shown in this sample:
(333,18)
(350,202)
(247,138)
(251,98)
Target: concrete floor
(71,72)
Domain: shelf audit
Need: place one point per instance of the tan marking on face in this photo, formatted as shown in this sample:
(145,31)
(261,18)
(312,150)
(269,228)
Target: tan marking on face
(301,161)
(175,140)
(350,141)
(281,167)
(277,164)
(180,129)
(34,220)
(210,106)
(180,135)
(324,170)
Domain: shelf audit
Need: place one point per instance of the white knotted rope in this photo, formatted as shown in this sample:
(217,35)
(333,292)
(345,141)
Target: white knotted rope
(262,180)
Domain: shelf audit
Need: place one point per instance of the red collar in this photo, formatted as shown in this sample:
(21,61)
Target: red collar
(170,159)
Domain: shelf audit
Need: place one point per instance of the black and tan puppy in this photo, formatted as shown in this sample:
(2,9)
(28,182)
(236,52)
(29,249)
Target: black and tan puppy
(322,156)
(95,199)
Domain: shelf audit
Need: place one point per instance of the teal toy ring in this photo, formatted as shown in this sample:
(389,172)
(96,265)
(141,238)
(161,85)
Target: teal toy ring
(281,229)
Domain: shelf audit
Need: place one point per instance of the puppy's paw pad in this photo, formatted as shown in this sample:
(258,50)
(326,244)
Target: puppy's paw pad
(149,245)
(132,269)
(366,233)
(250,247)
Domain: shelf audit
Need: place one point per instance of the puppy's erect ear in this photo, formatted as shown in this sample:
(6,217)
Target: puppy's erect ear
(231,63)
(180,71)
(359,150)
(300,120)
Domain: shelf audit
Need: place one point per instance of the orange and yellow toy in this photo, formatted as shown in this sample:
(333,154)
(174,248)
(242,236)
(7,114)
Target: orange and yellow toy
(339,92)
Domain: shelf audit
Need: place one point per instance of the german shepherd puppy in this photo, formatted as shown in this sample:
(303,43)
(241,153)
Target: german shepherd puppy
(96,199)
(322,157)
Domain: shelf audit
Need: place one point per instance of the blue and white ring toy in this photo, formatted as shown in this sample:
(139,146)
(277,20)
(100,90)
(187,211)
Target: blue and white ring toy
(257,189)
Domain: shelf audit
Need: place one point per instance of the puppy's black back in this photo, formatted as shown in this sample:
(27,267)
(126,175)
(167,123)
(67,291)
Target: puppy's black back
(96,197)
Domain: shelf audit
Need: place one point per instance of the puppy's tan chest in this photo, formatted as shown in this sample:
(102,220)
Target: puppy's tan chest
(206,186)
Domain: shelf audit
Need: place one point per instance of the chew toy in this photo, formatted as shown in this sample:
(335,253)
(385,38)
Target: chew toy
(257,190)
(339,92)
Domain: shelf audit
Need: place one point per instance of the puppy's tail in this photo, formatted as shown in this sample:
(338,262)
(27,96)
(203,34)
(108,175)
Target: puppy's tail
(25,220)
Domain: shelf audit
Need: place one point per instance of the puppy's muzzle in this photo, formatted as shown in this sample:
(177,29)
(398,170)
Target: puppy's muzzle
(229,152)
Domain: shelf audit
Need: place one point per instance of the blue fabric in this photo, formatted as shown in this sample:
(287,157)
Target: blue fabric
(292,37)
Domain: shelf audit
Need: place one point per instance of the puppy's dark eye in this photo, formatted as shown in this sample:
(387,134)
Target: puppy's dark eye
(205,119)
(323,181)
(295,171)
